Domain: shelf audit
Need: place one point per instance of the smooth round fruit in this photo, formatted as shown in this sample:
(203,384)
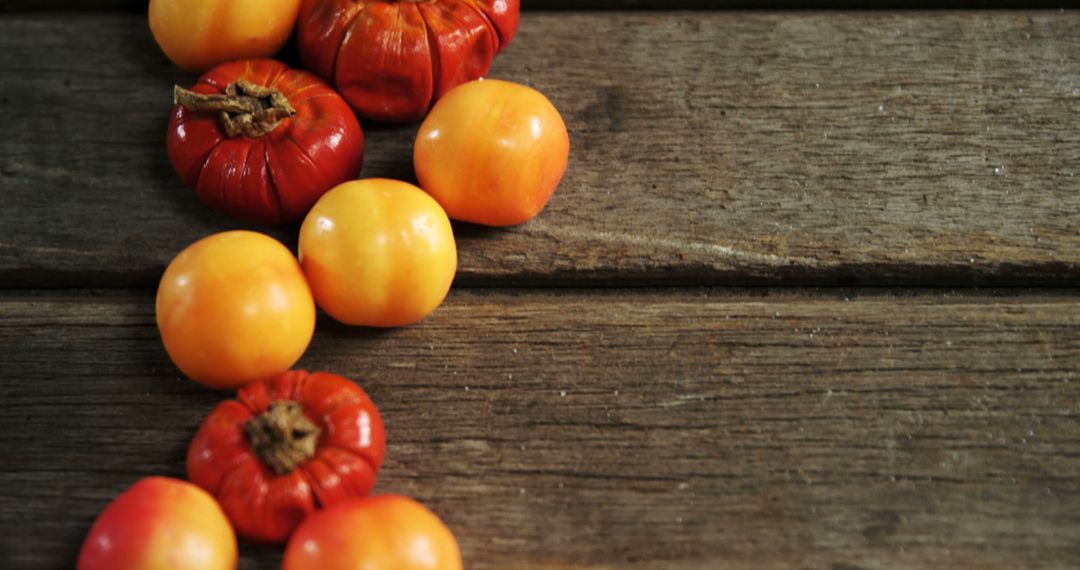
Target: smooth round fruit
(492,152)
(199,34)
(378,253)
(234,308)
(387,532)
(160,523)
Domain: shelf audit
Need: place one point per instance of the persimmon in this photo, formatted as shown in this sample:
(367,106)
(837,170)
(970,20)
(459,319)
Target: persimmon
(492,152)
(392,59)
(262,142)
(378,253)
(160,523)
(286,447)
(233,308)
(199,34)
(386,532)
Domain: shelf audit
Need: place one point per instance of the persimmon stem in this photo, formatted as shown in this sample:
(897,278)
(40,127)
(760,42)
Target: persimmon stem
(283,437)
(246,108)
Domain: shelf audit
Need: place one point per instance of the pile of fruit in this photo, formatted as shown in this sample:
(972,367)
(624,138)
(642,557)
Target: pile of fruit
(294,457)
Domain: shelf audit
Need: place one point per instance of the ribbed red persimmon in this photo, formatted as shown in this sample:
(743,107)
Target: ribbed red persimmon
(391,59)
(286,447)
(262,142)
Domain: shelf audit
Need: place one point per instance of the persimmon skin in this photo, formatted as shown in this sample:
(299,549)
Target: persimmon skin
(199,34)
(392,59)
(160,523)
(378,253)
(234,308)
(273,179)
(386,532)
(262,505)
(492,152)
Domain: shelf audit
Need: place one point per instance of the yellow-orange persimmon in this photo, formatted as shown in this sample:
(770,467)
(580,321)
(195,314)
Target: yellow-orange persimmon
(199,34)
(386,532)
(234,308)
(378,253)
(492,152)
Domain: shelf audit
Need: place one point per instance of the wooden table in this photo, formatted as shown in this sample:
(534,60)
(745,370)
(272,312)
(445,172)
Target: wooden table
(805,299)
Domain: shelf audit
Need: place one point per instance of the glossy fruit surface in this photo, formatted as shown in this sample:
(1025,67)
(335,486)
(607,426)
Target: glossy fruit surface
(160,523)
(233,308)
(391,59)
(386,532)
(492,152)
(285,139)
(286,447)
(378,253)
(199,34)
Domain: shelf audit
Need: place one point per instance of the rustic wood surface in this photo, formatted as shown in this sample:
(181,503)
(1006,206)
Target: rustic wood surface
(720,148)
(667,429)
(628,427)
(139,5)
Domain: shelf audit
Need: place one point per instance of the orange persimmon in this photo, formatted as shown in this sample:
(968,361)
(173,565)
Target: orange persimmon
(233,308)
(378,253)
(492,152)
(199,34)
(386,532)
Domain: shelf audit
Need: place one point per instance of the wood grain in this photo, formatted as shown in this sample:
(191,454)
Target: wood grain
(567,429)
(139,5)
(795,149)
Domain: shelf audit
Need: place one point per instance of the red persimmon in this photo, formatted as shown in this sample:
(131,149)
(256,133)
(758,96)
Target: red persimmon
(160,523)
(392,59)
(262,142)
(286,447)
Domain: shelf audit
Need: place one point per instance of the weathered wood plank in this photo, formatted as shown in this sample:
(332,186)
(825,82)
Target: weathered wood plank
(871,148)
(139,5)
(616,430)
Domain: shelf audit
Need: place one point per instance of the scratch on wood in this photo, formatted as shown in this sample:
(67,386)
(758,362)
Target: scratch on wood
(716,252)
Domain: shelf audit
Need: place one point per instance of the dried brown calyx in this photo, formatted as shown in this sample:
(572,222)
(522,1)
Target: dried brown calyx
(246,109)
(283,437)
